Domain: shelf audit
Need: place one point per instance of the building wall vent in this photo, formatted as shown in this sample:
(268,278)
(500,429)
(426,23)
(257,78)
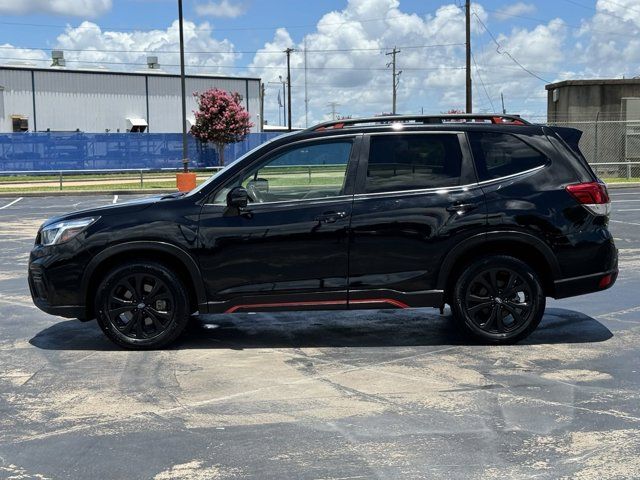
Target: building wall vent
(19,123)
(136,125)
(152,63)
(57,58)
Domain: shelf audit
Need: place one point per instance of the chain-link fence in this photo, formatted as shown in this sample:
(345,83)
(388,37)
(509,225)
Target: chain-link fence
(612,147)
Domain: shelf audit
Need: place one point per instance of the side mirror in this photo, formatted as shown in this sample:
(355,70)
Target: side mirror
(237,198)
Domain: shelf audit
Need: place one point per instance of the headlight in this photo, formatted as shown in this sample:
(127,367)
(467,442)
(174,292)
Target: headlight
(64,231)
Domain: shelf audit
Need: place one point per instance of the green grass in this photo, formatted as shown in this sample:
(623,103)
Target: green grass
(89,177)
(622,180)
(98,187)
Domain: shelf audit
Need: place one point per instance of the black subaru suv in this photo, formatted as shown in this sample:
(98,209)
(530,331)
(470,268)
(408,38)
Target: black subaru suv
(489,214)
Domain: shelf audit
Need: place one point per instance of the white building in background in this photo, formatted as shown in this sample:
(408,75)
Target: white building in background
(97,101)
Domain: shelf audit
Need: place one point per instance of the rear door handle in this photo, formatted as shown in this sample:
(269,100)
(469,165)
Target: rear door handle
(330,217)
(460,207)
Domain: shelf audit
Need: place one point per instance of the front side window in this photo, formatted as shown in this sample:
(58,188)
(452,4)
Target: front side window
(306,171)
(501,154)
(411,162)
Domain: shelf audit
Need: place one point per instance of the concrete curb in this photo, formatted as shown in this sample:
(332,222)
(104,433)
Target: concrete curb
(74,193)
(623,185)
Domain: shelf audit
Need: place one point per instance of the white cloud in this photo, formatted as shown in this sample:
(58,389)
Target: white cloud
(124,50)
(346,58)
(515,9)
(77,8)
(609,43)
(222,9)
(432,77)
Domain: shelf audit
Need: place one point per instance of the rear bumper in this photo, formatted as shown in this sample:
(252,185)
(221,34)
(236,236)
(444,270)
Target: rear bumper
(571,287)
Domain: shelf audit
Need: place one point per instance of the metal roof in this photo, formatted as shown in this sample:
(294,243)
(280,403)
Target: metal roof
(138,73)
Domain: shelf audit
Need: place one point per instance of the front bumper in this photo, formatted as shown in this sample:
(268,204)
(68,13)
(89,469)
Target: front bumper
(66,311)
(55,291)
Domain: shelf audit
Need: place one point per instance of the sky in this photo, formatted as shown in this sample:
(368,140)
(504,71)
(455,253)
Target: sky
(518,47)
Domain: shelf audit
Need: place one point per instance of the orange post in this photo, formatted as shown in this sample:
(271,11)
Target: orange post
(186,181)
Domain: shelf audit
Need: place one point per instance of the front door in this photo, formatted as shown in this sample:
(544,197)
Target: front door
(417,197)
(289,249)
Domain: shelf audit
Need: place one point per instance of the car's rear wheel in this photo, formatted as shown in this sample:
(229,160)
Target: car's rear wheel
(142,306)
(498,299)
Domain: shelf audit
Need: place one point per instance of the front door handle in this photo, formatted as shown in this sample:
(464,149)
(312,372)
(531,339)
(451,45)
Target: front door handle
(459,207)
(331,217)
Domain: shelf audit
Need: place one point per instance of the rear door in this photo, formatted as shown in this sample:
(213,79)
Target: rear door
(416,197)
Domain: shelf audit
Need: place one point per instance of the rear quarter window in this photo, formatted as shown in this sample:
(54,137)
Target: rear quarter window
(501,154)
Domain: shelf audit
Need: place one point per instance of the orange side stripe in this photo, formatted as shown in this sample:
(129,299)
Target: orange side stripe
(389,301)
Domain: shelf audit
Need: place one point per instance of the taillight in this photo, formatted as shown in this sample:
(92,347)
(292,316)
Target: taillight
(592,195)
(605,281)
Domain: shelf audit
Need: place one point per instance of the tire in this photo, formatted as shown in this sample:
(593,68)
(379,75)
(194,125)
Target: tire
(498,300)
(142,306)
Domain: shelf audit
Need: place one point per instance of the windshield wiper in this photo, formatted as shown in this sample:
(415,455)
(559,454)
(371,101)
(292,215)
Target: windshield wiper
(173,195)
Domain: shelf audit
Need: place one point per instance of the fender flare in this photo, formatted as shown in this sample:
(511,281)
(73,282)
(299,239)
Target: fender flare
(158,247)
(483,238)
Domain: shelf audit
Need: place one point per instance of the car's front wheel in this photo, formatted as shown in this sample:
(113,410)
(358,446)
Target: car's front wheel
(142,305)
(498,299)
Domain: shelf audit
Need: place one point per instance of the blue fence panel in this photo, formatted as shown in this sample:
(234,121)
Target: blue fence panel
(26,152)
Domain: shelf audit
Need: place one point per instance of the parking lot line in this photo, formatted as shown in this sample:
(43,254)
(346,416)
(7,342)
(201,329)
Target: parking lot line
(11,203)
(627,223)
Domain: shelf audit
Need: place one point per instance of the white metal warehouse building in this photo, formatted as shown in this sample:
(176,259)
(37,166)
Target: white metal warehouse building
(59,99)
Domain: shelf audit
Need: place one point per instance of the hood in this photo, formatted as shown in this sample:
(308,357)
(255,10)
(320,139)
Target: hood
(124,208)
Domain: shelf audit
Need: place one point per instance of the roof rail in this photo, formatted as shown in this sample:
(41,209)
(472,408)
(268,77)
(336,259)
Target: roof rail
(499,119)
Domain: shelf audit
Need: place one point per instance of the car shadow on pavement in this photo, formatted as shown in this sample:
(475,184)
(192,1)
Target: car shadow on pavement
(383,328)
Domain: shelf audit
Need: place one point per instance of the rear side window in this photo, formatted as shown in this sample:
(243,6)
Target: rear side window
(410,162)
(501,154)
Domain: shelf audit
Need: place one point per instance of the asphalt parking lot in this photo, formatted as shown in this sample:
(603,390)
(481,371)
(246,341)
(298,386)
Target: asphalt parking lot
(353,395)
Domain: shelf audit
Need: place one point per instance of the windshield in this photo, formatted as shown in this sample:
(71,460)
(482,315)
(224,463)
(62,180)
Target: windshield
(242,157)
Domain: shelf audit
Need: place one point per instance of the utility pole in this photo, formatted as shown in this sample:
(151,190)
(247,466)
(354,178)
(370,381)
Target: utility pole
(306,96)
(467,12)
(288,52)
(333,106)
(395,76)
(504,110)
(185,145)
(262,107)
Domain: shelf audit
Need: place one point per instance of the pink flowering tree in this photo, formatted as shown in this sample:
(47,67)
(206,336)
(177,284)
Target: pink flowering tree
(220,119)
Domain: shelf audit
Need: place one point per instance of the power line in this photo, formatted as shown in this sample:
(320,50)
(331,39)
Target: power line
(273,27)
(603,12)
(501,51)
(203,52)
(541,21)
(482,82)
(272,67)
(406,70)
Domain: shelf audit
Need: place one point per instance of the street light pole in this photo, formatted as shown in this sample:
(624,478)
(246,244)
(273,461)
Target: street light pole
(469,94)
(185,146)
(288,52)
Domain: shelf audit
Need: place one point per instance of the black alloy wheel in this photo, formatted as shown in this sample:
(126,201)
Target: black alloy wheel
(142,306)
(499,299)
